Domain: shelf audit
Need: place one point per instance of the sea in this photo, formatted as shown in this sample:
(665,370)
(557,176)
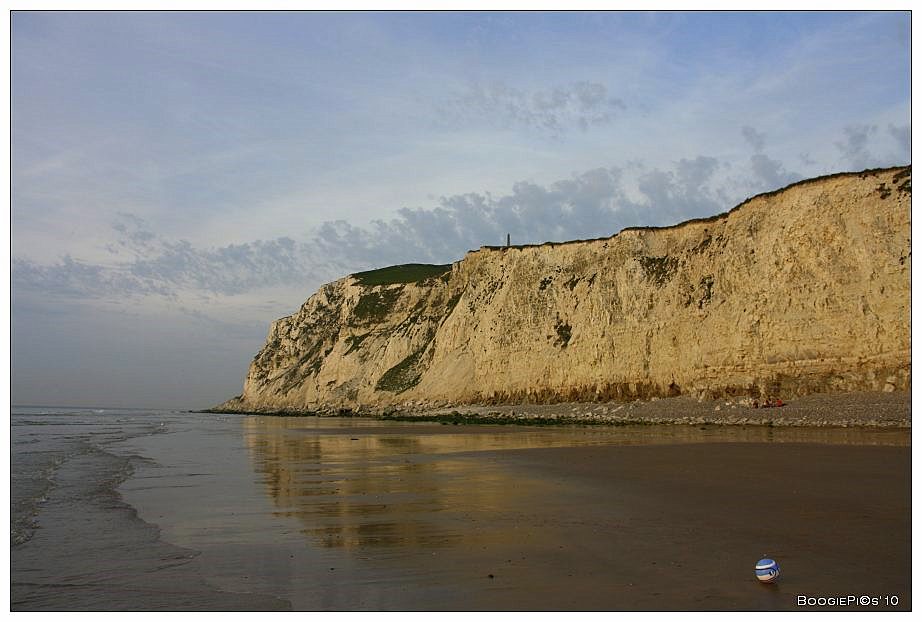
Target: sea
(153,510)
(76,544)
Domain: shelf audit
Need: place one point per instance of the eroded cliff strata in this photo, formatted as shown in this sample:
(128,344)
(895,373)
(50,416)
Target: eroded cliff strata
(802,290)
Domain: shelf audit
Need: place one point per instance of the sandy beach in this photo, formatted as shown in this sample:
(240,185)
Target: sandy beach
(200,512)
(672,527)
(356,514)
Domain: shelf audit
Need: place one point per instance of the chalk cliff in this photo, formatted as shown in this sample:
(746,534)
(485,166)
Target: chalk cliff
(801,290)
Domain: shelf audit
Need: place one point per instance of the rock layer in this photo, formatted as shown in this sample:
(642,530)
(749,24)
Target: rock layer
(798,291)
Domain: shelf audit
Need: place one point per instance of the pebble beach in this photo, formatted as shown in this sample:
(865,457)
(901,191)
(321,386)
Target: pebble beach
(866,409)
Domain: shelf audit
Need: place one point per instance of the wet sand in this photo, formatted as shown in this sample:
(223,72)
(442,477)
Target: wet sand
(353,514)
(681,526)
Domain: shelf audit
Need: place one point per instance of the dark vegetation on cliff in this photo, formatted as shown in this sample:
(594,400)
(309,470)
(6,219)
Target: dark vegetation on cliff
(402,376)
(405,273)
(374,306)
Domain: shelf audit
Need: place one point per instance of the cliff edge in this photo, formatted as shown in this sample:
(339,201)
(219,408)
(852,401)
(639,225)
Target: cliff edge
(797,291)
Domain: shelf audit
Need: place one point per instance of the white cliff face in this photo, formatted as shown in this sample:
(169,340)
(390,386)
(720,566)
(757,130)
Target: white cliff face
(799,291)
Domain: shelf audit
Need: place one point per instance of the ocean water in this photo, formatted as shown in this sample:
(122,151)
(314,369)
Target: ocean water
(75,543)
(170,510)
(44,439)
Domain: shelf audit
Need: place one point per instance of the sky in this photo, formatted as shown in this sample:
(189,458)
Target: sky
(180,180)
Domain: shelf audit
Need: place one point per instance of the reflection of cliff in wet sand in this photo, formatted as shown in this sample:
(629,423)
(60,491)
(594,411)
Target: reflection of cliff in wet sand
(356,491)
(423,516)
(799,291)
(389,486)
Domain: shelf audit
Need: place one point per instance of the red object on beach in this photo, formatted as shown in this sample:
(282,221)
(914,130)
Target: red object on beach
(779,403)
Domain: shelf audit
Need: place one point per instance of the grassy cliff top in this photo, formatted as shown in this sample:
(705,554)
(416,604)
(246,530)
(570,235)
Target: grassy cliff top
(406,273)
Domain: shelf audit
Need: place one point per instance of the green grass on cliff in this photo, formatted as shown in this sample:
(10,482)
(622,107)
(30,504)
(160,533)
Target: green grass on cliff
(406,273)
(376,305)
(402,376)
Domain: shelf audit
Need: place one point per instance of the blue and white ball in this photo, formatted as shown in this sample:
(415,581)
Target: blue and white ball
(767,570)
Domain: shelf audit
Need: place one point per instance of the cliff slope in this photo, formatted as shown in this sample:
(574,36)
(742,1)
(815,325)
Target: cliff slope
(797,291)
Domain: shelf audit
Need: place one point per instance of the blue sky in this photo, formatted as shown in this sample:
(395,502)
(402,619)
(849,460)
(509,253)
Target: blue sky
(179,180)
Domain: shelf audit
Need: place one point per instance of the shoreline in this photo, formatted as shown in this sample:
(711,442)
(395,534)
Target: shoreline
(859,409)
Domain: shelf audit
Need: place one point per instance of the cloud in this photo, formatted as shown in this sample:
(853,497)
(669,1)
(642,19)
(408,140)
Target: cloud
(134,235)
(590,204)
(72,278)
(594,203)
(770,174)
(755,139)
(141,263)
(903,136)
(560,109)
(156,266)
(668,197)
(855,149)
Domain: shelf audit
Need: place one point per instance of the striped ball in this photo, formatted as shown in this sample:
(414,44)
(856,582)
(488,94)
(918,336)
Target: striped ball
(767,570)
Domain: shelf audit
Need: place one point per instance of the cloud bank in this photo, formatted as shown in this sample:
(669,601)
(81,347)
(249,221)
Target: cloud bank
(590,204)
(593,203)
